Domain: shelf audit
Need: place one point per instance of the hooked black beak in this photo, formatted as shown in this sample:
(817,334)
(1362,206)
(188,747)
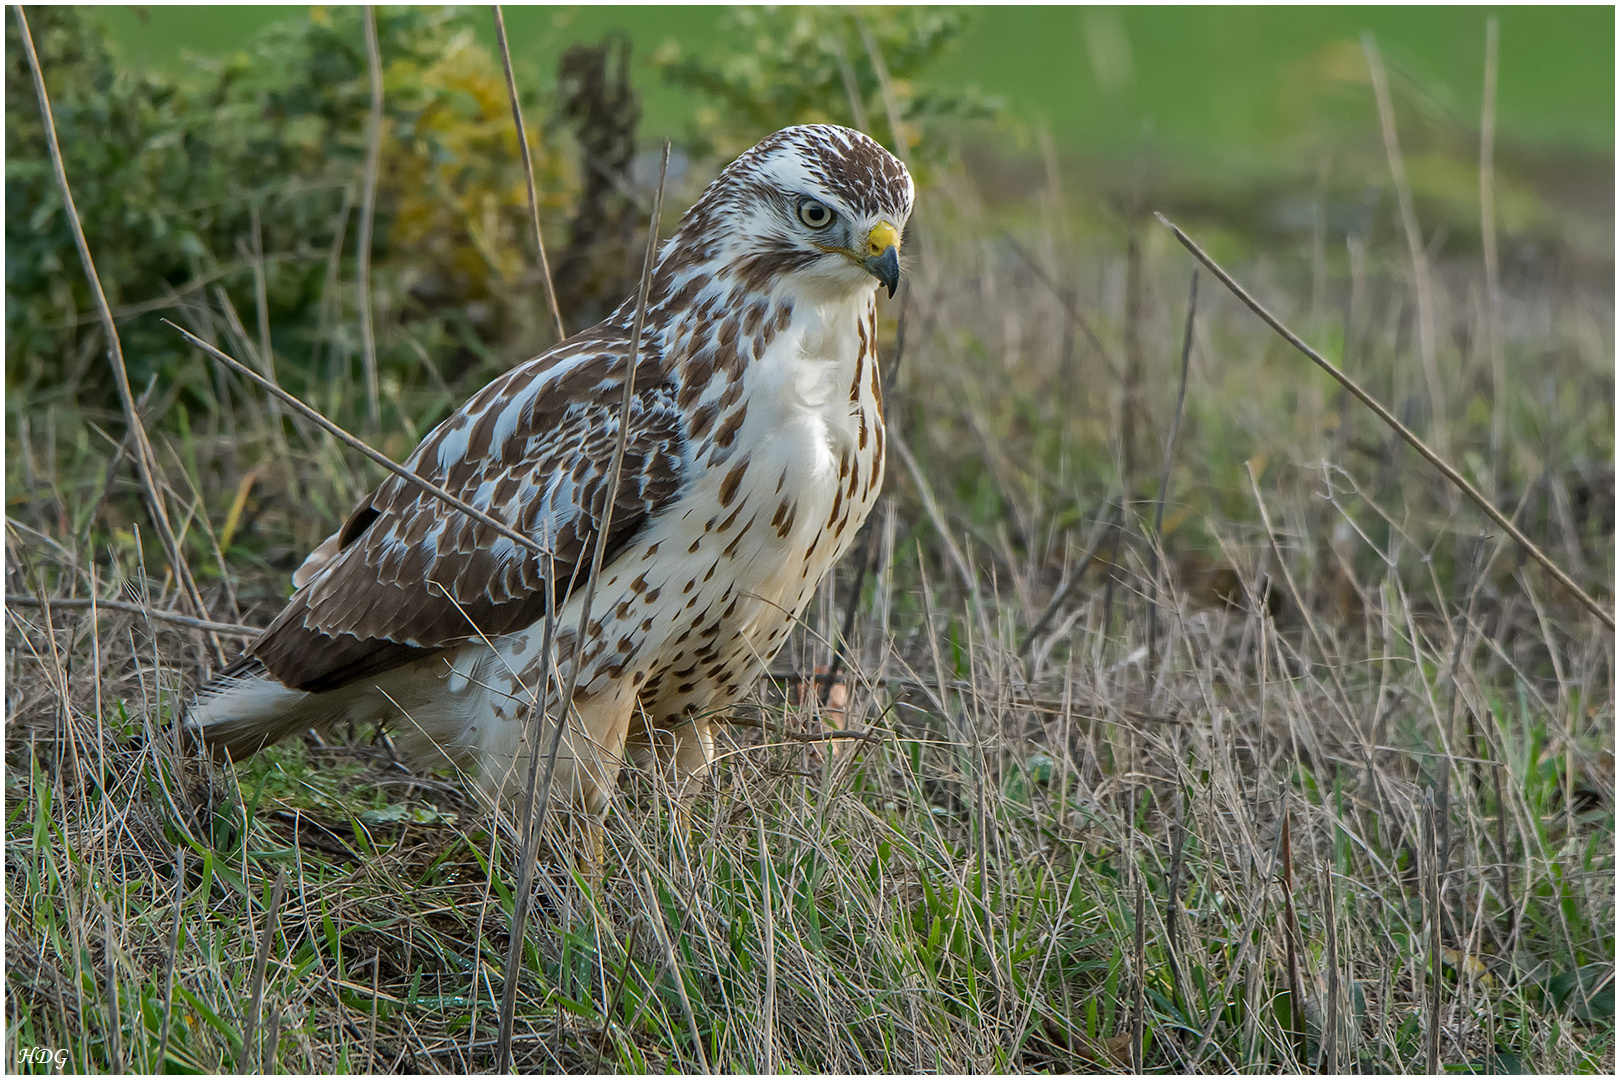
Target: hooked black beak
(885,267)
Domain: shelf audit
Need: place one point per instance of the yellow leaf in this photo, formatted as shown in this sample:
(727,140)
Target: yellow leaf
(234,517)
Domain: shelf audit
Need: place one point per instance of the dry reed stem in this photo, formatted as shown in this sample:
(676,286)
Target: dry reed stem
(767,894)
(145,459)
(1293,943)
(262,351)
(891,105)
(672,968)
(852,91)
(535,812)
(230,629)
(1066,299)
(937,519)
(171,961)
(528,172)
(368,213)
(1445,469)
(1156,546)
(261,959)
(1421,281)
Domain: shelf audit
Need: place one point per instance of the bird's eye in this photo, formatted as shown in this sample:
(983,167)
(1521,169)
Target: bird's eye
(814,214)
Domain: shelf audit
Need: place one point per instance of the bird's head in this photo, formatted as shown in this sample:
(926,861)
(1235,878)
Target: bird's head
(816,208)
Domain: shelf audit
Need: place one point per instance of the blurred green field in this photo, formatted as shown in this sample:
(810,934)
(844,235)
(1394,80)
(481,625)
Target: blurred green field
(1212,81)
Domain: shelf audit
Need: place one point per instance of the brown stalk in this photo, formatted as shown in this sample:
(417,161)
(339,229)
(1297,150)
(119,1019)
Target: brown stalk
(857,108)
(1172,906)
(229,629)
(610,1006)
(1341,703)
(169,960)
(145,460)
(536,814)
(891,105)
(1245,940)
(1164,482)
(1414,241)
(261,958)
(1487,222)
(1065,297)
(847,627)
(1130,404)
(937,518)
(673,967)
(528,171)
(358,444)
(368,212)
(1139,990)
(1395,425)
(264,353)
(769,1008)
(1086,560)
(1435,845)
(1329,1062)
(1292,945)
(115,1022)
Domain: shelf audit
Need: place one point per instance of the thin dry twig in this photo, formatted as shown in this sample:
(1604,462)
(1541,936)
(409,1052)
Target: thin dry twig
(170,962)
(145,459)
(1164,477)
(114,1022)
(1066,299)
(937,518)
(622,444)
(1139,972)
(1487,232)
(891,104)
(1293,943)
(368,212)
(769,934)
(528,172)
(230,629)
(261,958)
(1414,241)
(852,90)
(358,444)
(536,811)
(674,968)
(1451,474)
(1057,601)
(1432,826)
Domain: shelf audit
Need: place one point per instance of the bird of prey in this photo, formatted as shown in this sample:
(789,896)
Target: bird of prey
(754,451)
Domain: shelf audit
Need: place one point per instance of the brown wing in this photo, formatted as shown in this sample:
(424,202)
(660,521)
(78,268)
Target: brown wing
(412,575)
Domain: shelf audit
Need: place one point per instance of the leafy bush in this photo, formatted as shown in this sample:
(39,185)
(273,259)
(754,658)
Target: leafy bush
(183,184)
(796,65)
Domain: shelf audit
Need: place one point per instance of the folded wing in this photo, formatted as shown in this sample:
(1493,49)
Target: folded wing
(408,575)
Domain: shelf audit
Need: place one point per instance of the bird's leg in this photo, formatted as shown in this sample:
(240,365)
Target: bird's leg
(592,851)
(688,765)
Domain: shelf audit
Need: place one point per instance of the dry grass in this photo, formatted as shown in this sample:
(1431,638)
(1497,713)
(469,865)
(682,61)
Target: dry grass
(1350,808)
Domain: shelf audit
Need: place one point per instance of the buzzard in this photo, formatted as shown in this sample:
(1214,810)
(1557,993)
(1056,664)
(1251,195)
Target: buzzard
(754,450)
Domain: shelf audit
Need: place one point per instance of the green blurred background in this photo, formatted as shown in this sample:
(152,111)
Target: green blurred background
(1211,81)
(202,139)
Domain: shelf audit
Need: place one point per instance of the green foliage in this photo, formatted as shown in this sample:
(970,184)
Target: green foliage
(796,65)
(184,185)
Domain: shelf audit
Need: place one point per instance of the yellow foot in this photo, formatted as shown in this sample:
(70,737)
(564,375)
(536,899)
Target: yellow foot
(595,847)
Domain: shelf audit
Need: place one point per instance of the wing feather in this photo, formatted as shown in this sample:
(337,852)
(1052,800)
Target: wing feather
(408,575)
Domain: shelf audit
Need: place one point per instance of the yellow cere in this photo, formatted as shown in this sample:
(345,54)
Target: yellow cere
(882,237)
